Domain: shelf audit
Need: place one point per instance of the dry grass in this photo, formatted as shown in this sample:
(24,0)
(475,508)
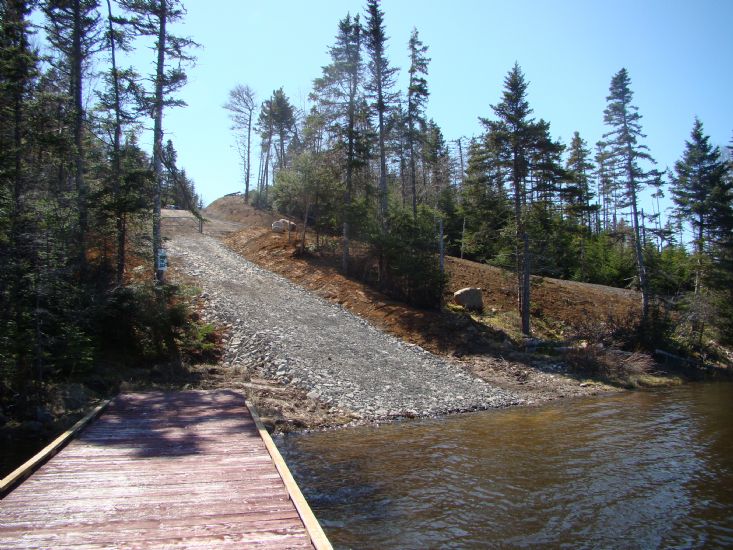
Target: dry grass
(631,370)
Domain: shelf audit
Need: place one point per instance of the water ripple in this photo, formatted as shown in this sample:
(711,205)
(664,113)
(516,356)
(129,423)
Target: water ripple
(639,470)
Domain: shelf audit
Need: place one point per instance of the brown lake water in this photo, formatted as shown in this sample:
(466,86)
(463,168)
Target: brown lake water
(634,470)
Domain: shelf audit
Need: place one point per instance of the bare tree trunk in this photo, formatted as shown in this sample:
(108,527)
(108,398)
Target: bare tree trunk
(413,178)
(526,278)
(76,86)
(463,236)
(116,169)
(158,140)
(638,249)
(248,168)
(305,226)
(441,246)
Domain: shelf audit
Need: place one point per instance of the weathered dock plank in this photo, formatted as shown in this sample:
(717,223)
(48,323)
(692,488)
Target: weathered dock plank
(163,470)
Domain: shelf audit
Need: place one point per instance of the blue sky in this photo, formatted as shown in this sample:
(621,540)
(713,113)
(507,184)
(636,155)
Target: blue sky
(679,55)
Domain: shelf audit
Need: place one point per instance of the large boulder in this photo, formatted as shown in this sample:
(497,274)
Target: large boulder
(470,298)
(282,225)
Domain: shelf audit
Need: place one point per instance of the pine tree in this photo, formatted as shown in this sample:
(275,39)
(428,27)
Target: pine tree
(698,173)
(73,29)
(417,97)
(283,122)
(697,189)
(577,187)
(379,85)
(338,93)
(151,18)
(627,152)
(516,132)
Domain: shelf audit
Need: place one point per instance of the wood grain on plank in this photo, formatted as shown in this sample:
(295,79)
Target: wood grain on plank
(186,469)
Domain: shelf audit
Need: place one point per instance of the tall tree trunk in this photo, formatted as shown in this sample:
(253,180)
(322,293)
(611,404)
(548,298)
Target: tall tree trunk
(76,88)
(383,206)
(116,169)
(413,177)
(247,168)
(158,140)
(521,244)
(526,285)
(305,226)
(638,249)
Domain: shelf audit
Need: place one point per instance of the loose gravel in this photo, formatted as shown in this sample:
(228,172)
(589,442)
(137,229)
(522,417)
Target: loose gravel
(289,334)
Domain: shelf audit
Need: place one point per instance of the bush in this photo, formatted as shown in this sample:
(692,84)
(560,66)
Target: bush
(148,323)
(611,365)
(410,270)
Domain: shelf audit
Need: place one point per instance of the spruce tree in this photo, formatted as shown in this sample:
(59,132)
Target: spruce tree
(73,29)
(516,132)
(721,279)
(577,189)
(417,97)
(283,121)
(627,153)
(151,18)
(379,85)
(701,199)
(697,175)
(338,93)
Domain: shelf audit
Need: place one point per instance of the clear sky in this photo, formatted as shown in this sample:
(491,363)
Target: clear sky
(679,55)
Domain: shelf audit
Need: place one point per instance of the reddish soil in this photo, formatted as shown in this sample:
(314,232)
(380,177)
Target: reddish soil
(488,344)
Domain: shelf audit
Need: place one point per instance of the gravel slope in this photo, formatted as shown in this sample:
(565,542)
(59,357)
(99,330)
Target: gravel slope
(338,358)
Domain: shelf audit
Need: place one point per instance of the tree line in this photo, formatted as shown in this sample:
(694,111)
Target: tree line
(366,162)
(77,191)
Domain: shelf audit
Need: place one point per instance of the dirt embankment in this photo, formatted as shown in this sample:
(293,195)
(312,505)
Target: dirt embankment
(488,345)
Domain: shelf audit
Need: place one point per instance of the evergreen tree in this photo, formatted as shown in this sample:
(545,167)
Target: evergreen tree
(115,112)
(578,194)
(698,173)
(338,94)
(73,30)
(417,97)
(515,131)
(484,203)
(283,122)
(266,129)
(627,153)
(18,69)
(379,85)
(721,279)
(150,18)
(702,197)
(606,185)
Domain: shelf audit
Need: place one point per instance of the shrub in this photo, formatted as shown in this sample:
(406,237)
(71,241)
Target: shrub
(147,323)
(410,265)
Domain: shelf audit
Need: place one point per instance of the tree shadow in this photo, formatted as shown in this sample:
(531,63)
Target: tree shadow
(171,424)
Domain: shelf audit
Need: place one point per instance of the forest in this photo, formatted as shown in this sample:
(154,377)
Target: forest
(80,199)
(362,167)
(366,163)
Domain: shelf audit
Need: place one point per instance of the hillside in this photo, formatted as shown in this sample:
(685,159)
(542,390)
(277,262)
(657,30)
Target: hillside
(560,309)
(488,345)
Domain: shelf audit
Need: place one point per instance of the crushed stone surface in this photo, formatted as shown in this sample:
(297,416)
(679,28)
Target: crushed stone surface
(298,338)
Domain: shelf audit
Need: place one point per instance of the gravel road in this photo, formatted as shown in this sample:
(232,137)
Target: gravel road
(338,358)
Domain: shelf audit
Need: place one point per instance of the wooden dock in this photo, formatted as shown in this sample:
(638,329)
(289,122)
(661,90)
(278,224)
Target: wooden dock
(176,470)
